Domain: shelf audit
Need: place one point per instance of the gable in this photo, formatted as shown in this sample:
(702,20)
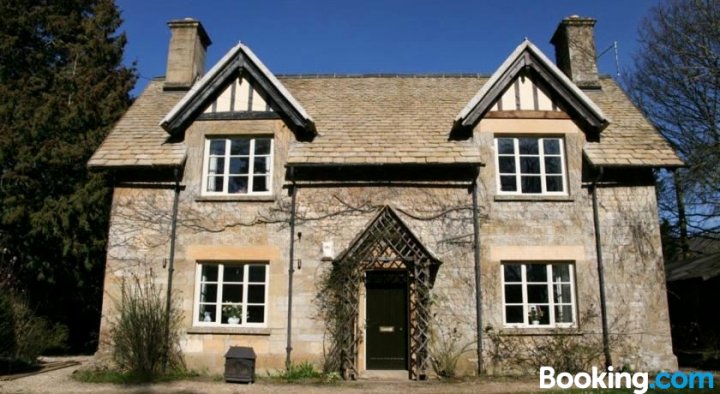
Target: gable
(224,83)
(528,61)
(240,97)
(523,94)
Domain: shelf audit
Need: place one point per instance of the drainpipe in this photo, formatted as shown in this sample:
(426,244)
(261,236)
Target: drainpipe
(601,272)
(478,294)
(171,261)
(291,269)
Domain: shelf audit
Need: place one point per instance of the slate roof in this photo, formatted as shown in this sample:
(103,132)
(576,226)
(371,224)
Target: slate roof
(137,139)
(629,139)
(379,120)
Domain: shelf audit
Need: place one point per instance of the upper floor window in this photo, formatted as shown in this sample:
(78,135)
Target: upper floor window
(231,294)
(538,294)
(530,165)
(238,165)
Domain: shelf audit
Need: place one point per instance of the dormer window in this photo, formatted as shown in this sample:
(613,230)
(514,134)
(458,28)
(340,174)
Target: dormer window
(530,165)
(238,166)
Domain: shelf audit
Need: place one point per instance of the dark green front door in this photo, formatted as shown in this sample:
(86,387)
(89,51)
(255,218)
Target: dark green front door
(386,320)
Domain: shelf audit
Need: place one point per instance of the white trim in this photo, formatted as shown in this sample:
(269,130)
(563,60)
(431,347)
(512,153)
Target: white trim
(541,157)
(526,45)
(551,304)
(226,166)
(226,59)
(218,301)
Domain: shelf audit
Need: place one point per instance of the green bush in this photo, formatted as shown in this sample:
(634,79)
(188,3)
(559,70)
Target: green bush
(145,339)
(303,370)
(34,334)
(7,328)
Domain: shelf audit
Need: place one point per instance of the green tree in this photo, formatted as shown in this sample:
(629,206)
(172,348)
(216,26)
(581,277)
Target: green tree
(63,85)
(676,82)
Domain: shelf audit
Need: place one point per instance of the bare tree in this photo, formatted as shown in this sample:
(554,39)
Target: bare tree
(676,82)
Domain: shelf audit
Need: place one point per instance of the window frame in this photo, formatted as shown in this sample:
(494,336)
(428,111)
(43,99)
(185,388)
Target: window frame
(226,166)
(541,155)
(197,322)
(551,295)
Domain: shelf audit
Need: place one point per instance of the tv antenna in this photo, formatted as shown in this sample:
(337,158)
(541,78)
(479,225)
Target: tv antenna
(613,46)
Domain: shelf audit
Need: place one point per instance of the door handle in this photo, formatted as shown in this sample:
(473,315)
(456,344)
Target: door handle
(386,328)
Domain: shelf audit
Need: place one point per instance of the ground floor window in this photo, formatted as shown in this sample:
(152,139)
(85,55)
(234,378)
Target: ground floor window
(538,295)
(231,294)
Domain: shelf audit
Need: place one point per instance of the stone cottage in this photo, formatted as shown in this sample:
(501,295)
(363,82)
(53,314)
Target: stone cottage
(366,222)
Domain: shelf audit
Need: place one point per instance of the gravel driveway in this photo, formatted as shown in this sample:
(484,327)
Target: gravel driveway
(60,381)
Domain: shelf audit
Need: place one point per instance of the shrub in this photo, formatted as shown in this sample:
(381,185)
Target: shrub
(34,334)
(446,349)
(145,339)
(303,370)
(7,328)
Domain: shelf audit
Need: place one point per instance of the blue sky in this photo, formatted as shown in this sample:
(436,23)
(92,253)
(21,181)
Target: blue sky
(375,36)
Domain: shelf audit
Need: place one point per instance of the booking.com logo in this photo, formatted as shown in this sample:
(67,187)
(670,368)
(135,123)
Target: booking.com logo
(639,381)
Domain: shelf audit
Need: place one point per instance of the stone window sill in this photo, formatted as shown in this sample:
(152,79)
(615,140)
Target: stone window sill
(536,198)
(545,331)
(230,330)
(245,198)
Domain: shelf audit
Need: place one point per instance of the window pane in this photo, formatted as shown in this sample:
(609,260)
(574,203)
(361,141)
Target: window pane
(240,147)
(562,293)
(239,165)
(537,293)
(563,314)
(529,165)
(261,165)
(233,273)
(530,184)
(551,146)
(209,273)
(237,184)
(262,146)
(207,313)
(507,164)
(553,165)
(215,184)
(561,272)
(260,184)
(216,166)
(208,293)
(257,273)
(513,294)
(506,145)
(536,273)
(508,183)
(512,272)
(255,314)
(528,145)
(217,147)
(232,293)
(256,294)
(514,314)
(554,183)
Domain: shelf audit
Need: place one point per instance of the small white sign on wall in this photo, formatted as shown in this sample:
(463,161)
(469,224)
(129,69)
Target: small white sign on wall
(328,250)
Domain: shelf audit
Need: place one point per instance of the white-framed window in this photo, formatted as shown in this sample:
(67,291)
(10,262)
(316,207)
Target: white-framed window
(233,294)
(530,165)
(238,165)
(538,294)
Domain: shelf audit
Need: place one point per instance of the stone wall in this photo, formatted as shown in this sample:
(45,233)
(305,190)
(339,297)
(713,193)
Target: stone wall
(526,229)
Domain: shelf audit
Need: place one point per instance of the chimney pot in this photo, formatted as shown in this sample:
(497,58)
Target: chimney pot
(575,52)
(186,53)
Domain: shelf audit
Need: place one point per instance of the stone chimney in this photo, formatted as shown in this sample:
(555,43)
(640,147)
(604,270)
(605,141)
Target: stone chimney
(575,53)
(186,53)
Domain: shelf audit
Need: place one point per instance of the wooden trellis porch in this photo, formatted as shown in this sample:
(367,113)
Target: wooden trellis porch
(386,244)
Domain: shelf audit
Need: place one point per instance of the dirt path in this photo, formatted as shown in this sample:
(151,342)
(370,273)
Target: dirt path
(60,381)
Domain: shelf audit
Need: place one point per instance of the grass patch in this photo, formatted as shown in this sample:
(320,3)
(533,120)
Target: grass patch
(303,372)
(130,378)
